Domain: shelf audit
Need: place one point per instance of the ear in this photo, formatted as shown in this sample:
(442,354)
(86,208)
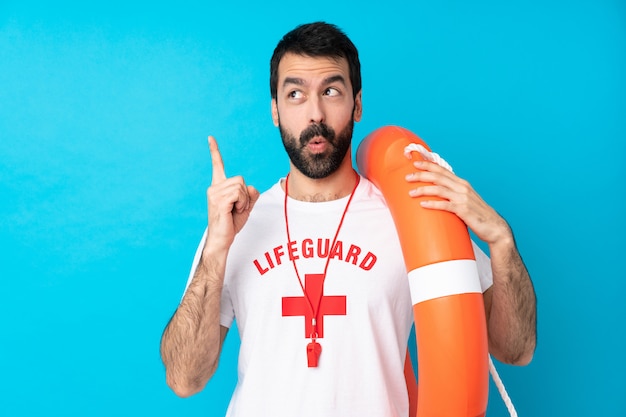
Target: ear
(358,108)
(275,117)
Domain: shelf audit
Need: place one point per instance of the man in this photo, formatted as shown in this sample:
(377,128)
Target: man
(312,269)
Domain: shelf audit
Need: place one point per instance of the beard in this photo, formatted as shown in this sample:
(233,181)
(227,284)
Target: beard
(317,165)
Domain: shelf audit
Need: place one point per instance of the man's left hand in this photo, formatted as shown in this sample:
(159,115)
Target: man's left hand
(457,196)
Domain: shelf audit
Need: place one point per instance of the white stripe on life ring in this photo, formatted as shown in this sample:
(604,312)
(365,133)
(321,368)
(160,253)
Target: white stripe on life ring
(444,278)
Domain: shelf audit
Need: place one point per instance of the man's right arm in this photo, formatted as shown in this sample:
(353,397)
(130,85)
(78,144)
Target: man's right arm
(192,341)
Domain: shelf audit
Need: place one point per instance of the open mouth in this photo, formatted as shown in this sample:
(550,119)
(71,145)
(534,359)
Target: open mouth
(317,144)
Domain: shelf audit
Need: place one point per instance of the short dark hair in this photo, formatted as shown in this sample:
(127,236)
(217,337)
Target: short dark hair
(318,39)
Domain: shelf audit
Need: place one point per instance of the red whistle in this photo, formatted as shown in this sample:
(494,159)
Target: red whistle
(313,351)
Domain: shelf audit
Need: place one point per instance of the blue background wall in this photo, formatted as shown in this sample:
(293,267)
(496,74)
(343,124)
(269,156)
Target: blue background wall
(104,113)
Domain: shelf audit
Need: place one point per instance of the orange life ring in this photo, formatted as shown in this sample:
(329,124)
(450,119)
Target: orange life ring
(448,308)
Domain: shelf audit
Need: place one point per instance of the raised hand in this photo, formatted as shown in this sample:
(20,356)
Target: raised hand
(230,202)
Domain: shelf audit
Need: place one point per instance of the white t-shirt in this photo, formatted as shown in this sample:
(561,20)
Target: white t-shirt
(365,310)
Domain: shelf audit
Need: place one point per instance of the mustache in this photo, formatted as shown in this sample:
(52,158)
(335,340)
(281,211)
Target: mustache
(319,129)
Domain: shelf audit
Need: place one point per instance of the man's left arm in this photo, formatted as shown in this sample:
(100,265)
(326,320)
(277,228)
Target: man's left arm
(510,303)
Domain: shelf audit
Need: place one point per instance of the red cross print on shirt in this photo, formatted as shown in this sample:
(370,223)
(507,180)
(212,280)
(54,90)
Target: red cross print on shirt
(328,305)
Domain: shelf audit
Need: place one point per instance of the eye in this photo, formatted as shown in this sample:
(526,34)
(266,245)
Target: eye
(295,94)
(331,92)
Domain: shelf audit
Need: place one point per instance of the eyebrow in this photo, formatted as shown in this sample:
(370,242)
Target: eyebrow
(293,80)
(328,80)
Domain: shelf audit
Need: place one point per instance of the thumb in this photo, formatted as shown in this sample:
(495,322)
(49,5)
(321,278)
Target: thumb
(254,196)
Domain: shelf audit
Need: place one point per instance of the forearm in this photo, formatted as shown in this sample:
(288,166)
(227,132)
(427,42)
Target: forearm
(510,303)
(191,342)
(512,320)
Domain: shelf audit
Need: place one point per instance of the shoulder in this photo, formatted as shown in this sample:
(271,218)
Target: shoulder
(368,194)
(267,210)
(269,198)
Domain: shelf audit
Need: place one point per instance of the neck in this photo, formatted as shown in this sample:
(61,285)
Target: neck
(337,185)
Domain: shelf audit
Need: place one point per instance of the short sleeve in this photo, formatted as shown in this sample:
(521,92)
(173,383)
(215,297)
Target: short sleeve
(483,263)
(196,260)
(226,308)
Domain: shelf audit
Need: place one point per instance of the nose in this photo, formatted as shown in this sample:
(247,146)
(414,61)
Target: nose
(316,110)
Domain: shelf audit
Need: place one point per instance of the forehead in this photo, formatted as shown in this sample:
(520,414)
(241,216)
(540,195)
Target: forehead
(310,68)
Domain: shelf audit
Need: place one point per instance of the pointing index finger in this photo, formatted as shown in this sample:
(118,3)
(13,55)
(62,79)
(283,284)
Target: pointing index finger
(219,174)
